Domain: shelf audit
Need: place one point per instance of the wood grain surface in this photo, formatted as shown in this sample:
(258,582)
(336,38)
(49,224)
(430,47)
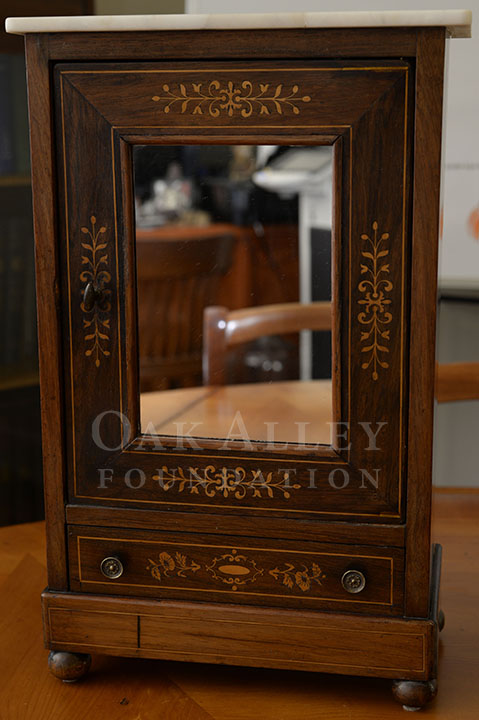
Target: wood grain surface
(212,411)
(48,288)
(133,689)
(427,169)
(457,381)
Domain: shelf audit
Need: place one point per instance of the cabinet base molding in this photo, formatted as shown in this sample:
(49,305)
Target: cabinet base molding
(394,648)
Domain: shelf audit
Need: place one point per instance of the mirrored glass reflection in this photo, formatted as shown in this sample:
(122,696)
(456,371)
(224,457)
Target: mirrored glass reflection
(233,246)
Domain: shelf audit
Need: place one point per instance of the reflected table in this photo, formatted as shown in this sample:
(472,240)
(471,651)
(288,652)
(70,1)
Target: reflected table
(288,411)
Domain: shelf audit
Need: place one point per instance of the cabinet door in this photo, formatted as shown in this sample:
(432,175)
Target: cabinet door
(363,111)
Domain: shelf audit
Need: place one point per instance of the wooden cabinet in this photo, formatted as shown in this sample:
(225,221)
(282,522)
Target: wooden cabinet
(306,554)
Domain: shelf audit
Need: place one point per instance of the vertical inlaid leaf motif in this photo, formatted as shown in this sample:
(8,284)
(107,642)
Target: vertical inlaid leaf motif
(96,321)
(375,315)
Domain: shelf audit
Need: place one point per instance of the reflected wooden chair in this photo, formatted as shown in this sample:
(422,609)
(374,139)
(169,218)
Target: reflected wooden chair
(457,381)
(223,329)
(178,270)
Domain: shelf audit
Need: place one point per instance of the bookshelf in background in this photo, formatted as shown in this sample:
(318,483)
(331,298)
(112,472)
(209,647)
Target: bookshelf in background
(21,494)
(20,443)
(18,350)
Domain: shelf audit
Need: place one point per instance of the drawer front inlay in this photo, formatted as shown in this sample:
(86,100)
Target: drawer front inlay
(251,571)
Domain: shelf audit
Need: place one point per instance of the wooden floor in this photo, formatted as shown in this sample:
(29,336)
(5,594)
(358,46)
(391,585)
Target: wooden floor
(154,690)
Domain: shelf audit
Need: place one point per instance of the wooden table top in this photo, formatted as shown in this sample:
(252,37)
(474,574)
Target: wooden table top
(131,689)
(170,231)
(215,410)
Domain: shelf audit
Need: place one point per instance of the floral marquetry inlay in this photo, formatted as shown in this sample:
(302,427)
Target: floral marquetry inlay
(168,565)
(303,576)
(375,315)
(235,482)
(243,98)
(96,320)
(234,570)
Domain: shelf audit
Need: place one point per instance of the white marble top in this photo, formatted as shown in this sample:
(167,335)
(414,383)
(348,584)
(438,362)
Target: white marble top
(457,22)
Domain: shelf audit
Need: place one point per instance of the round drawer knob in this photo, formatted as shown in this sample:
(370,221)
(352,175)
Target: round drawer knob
(353,581)
(111,568)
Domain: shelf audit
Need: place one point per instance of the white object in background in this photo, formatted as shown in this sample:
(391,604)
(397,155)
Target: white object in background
(459,250)
(314,188)
(459,267)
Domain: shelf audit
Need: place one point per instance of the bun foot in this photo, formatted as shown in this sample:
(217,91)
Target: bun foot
(441,620)
(412,694)
(68,666)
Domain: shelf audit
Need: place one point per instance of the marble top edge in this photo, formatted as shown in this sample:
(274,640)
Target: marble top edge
(457,22)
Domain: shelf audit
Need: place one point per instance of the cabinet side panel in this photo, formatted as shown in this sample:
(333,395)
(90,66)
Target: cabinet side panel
(427,161)
(44,206)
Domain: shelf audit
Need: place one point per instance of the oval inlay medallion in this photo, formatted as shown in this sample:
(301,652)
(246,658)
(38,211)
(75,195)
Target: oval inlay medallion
(232,574)
(234,570)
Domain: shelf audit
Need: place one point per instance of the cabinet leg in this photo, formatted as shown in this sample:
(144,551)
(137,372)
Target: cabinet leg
(68,666)
(412,694)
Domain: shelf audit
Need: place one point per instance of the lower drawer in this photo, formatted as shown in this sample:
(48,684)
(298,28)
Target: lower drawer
(236,569)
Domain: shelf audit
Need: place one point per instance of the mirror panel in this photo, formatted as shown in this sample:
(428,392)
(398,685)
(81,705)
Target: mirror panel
(233,244)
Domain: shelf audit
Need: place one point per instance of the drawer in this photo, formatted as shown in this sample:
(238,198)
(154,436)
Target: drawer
(242,570)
